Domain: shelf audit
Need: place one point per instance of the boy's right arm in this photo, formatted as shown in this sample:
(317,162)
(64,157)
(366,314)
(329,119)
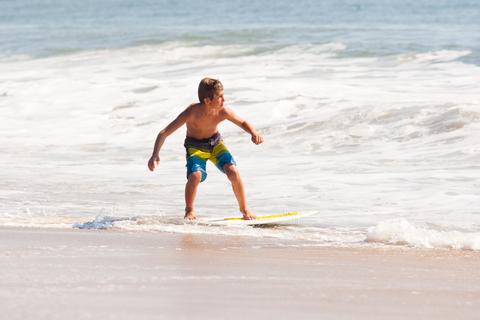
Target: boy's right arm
(168,130)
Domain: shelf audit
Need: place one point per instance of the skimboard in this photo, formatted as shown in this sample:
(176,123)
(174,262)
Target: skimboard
(260,220)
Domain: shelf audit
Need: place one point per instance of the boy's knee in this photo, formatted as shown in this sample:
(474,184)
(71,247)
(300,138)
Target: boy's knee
(195,177)
(231,171)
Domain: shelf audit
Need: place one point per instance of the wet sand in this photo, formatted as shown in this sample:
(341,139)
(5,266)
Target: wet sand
(94,274)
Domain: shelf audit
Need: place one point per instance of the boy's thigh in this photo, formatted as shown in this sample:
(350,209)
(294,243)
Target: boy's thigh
(195,164)
(221,157)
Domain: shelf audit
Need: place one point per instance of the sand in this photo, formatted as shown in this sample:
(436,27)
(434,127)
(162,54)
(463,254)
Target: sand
(95,274)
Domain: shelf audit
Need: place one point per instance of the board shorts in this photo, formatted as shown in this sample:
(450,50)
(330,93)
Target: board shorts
(201,150)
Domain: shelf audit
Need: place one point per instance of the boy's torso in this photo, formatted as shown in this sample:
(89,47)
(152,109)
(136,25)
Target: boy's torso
(202,123)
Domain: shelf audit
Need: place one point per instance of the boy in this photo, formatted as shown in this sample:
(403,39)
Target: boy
(203,142)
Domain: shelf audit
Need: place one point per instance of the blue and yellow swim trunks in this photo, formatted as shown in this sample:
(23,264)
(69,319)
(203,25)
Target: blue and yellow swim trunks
(201,150)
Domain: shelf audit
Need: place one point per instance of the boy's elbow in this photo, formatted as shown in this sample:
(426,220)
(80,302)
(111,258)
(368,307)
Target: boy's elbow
(163,134)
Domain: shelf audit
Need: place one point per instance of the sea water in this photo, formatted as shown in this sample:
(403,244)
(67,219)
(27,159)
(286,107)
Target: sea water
(370,112)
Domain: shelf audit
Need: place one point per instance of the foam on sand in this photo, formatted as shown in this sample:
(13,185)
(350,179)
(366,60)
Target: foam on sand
(401,232)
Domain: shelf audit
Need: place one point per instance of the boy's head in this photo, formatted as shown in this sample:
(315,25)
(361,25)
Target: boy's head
(208,88)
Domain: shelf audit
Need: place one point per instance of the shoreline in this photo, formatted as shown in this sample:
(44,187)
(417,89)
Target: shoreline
(88,274)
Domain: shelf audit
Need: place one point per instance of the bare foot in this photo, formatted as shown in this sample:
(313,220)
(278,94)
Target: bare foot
(248,215)
(190,215)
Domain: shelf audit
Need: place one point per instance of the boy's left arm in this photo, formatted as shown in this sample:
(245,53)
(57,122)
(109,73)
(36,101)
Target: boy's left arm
(231,116)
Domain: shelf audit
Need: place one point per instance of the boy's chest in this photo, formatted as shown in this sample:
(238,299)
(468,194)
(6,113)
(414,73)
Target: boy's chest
(202,120)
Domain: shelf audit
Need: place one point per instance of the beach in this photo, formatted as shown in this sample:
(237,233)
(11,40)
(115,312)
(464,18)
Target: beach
(370,114)
(111,274)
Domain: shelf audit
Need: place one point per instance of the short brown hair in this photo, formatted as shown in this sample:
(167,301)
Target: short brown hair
(208,87)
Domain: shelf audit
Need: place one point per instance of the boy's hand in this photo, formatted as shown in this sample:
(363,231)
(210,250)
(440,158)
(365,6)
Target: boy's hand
(256,138)
(153,162)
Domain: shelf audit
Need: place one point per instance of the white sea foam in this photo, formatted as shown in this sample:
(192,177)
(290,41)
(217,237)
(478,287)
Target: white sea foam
(360,140)
(401,232)
(297,231)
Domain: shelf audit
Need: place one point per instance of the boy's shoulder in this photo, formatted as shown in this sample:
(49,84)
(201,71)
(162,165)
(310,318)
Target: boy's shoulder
(226,110)
(191,108)
(193,105)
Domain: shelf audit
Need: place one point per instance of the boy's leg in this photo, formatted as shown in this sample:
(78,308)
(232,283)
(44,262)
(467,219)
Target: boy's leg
(237,185)
(190,192)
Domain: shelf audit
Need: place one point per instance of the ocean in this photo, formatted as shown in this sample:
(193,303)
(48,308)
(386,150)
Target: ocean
(370,112)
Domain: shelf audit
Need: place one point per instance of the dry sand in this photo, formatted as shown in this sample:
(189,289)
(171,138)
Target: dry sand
(81,274)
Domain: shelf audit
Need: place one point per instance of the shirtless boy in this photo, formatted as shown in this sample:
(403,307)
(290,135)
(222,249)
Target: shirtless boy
(204,142)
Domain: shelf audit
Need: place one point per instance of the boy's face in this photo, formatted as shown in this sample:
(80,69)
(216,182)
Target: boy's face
(217,100)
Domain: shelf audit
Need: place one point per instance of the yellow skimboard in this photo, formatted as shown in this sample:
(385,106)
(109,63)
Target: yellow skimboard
(261,219)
